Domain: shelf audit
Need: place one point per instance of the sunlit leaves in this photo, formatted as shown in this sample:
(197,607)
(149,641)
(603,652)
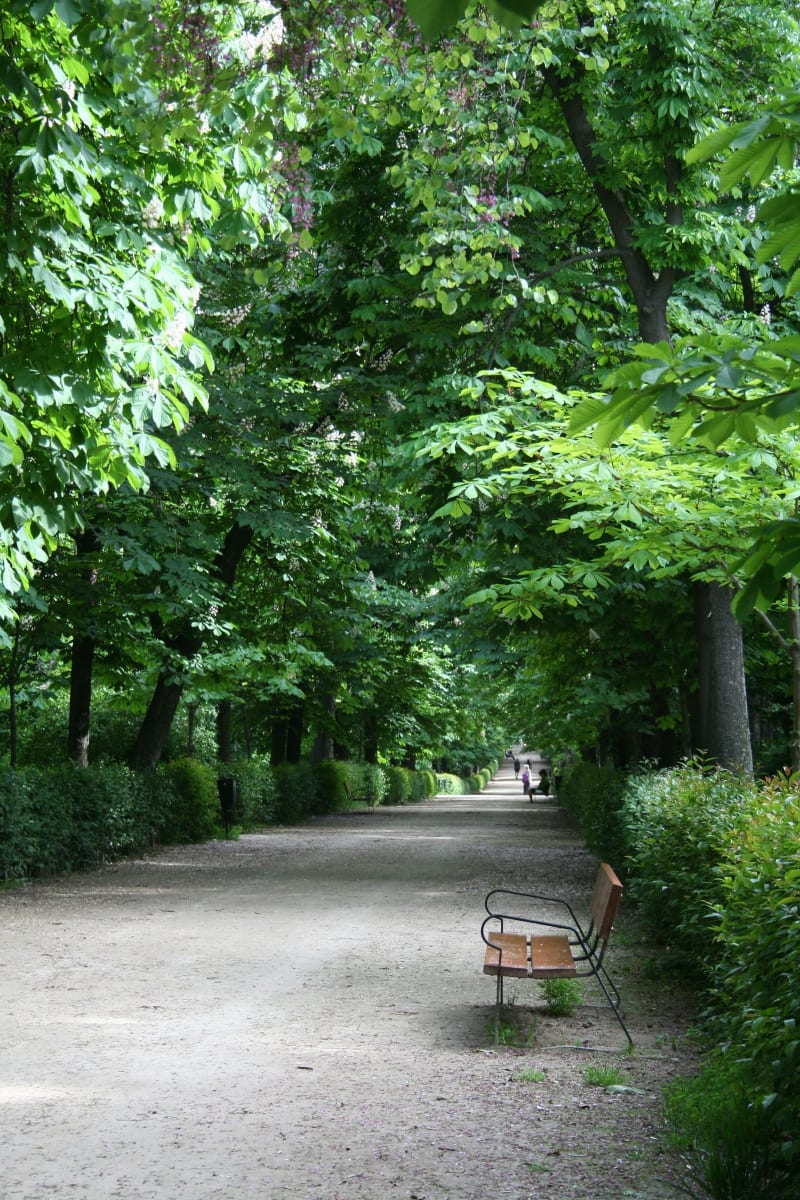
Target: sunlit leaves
(434,17)
(755,149)
(109,195)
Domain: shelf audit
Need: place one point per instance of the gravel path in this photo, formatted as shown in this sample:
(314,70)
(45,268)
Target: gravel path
(302,1013)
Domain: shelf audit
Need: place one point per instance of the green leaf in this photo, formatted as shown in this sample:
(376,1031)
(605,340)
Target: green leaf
(70,11)
(434,16)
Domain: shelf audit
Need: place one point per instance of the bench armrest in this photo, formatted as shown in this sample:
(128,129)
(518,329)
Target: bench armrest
(501,917)
(527,896)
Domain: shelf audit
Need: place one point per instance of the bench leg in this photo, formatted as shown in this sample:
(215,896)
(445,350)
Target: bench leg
(497,1006)
(614,1003)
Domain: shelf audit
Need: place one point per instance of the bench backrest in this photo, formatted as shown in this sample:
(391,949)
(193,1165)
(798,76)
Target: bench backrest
(605,900)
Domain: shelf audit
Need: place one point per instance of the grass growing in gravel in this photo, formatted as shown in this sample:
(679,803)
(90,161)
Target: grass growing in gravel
(603,1076)
(516,1027)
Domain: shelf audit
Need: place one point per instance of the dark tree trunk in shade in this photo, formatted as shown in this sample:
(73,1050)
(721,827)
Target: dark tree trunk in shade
(155,727)
(722,728)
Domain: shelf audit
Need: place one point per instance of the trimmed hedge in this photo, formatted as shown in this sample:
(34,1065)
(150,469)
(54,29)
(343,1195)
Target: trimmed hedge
(594,797)
(66,819)
(714,862)
(191,812)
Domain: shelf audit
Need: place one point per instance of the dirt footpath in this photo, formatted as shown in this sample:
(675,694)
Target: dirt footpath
(303,1014)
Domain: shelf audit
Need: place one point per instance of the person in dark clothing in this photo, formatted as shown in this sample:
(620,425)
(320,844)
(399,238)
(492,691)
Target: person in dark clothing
(516,768)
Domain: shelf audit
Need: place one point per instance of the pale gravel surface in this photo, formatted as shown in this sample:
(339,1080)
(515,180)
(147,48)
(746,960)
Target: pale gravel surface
(302,1014)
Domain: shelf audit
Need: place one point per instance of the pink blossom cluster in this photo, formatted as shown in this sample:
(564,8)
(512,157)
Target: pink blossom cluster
(185,43)
(298,187)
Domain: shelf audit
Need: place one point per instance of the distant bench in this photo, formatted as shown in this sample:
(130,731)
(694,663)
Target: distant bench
(574,953)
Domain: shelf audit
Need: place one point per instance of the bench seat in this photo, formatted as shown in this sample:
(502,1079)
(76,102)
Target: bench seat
(548,957)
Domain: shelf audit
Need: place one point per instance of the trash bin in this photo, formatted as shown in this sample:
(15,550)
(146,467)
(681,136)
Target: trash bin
(226,786)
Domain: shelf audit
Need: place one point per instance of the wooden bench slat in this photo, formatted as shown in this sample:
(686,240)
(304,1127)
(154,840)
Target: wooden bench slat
(515,955)
(605,900)
(551,957)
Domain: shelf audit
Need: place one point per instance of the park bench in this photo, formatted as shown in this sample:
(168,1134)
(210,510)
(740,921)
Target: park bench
(574,952)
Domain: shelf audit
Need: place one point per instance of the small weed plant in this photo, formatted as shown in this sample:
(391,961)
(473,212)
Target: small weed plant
(562,996)
(531,1075)
(515,1027)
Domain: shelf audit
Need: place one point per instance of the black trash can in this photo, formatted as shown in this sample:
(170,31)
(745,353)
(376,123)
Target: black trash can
(226,786)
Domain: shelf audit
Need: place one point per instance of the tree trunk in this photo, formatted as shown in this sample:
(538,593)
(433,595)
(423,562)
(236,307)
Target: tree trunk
(651,291)
(155,727)
(794,629)
(225,731)
(294,731)
(13,727)
(723,728)
(322,748)
(80,699)
(371,737)
(191,722)
(278,733)
(723,723)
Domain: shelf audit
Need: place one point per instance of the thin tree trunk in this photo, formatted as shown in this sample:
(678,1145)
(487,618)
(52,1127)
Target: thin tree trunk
(155,727)
(371,737)
(651,290)
(277,748)
(157,723)
(80,699)
(322,748)
(294,731)
(794,628)
(13,726)
(191,721)
(225,731)
(83,647)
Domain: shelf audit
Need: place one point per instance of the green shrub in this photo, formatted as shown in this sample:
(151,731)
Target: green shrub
(257,793)
(727,1138)
(428,784)
(34,823)
(296,793)
(678,824)
(757,1009)
(377,784)
(334,785)
(191,810)
(450,785)
(399,785)
(563,997)
(68,819)
(593,796)
(366,783)
(422,784)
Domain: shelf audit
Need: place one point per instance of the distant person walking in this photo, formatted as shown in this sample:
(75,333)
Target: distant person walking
(516,768)
(526,780)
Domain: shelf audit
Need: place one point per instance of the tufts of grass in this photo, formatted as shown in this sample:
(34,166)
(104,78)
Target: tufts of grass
(603,1076)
